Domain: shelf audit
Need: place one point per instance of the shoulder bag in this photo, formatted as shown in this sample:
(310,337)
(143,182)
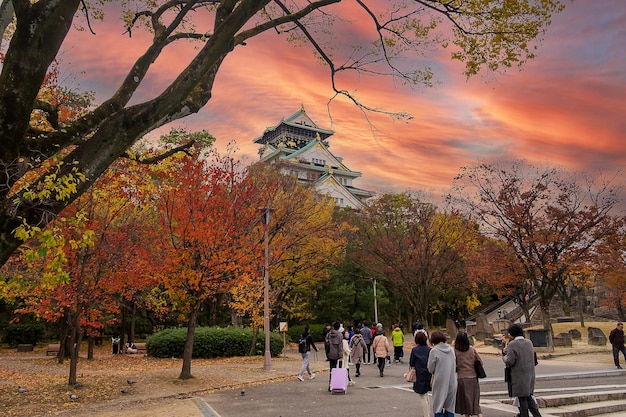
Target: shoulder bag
(480,371)
(410,375)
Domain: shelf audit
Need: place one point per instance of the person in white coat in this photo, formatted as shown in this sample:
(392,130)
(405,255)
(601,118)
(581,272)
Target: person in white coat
(442,365)
(345,360)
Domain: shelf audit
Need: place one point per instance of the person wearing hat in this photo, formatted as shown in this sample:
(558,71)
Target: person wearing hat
(616,337)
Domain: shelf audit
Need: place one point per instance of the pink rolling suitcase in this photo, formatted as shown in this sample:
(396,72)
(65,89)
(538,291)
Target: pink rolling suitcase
(338,380)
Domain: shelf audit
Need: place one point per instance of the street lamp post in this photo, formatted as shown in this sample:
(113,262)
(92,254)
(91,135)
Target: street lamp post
(267,363)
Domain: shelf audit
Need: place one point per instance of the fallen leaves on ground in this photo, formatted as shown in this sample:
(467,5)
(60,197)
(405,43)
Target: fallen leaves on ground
(103,378)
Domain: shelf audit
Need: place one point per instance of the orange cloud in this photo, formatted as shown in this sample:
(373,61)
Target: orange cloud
(566,107)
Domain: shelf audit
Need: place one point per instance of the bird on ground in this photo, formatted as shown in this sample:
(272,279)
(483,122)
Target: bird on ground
(73,397)
(21,390)
(130,382)
(78,385)
(124,391)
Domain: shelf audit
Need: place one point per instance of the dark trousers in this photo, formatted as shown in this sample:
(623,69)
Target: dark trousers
(616,352)
(527,404)
(333,364)
(369,353)
(381,364)
(397,353)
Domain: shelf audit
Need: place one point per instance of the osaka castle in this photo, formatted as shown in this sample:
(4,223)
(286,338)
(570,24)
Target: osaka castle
(300,148)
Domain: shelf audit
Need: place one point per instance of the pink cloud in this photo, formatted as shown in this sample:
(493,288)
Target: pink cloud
(566,107)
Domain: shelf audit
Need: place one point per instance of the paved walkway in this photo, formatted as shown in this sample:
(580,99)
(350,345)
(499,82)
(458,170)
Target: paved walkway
(558,363)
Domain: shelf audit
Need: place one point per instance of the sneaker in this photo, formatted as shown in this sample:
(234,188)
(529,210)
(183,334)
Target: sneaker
(381,374)
(311,376)
(300,378)
(351,383)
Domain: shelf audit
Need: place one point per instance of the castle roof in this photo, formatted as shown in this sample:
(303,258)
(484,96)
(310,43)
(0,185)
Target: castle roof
(300,120)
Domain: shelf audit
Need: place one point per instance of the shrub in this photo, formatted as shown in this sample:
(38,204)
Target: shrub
(27,333)
(317,331)
(210,342)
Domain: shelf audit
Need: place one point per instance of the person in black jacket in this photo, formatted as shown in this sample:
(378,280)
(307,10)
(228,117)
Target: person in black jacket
(419,361)
(616,337)
(306,356)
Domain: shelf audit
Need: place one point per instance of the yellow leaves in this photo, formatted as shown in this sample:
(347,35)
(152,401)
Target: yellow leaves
(494,35)
(472,303)
(25,231)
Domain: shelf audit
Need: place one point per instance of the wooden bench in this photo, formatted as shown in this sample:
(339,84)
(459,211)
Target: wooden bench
(141,348)
(53,349)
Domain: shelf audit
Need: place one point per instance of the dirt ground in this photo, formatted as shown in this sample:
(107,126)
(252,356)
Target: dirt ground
(103,379)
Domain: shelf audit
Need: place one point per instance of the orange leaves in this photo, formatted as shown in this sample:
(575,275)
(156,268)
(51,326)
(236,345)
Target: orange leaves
(208,221)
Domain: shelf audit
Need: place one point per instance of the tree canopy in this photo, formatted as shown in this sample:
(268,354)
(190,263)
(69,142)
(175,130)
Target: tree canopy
(419,249)
(554,221)
(44,166)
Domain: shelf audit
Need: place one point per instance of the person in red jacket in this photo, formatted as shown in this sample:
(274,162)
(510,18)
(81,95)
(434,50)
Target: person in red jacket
(616,337)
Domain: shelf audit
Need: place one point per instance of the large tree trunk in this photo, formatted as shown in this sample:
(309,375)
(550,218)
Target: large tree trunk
(185,372)
(62,337)
(75,340)
(581,312)
(90,346)
(547,325)
(133,319)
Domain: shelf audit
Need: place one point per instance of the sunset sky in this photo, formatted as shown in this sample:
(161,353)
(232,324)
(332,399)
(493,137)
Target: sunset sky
(567,107)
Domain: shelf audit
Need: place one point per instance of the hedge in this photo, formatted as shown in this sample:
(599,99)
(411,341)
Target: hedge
(27,333)
(317,331)
(210,342)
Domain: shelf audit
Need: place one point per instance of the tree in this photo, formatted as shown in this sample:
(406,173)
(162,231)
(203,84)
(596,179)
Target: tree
(612,269)
(43,171)
(494,268)
(552,222)
(418,250)
(208,231)
(94,251)
(304,240)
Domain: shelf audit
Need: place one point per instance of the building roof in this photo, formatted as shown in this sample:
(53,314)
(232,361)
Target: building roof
(300,144)
(299,120)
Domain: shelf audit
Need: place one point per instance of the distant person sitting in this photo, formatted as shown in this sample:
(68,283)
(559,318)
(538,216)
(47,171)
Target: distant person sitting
(131,348)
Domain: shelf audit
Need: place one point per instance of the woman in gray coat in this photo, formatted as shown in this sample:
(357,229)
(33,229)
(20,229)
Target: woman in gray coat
(442,365)
(520,361)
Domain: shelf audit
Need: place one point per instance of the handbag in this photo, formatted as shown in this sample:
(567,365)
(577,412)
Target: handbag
(480,371)
(410,375)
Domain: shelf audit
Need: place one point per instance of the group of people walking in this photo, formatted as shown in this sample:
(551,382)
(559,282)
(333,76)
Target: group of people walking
(446,377)
(451,374)
(448,372)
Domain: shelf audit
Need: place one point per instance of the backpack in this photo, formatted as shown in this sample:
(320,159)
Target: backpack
(302,345)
